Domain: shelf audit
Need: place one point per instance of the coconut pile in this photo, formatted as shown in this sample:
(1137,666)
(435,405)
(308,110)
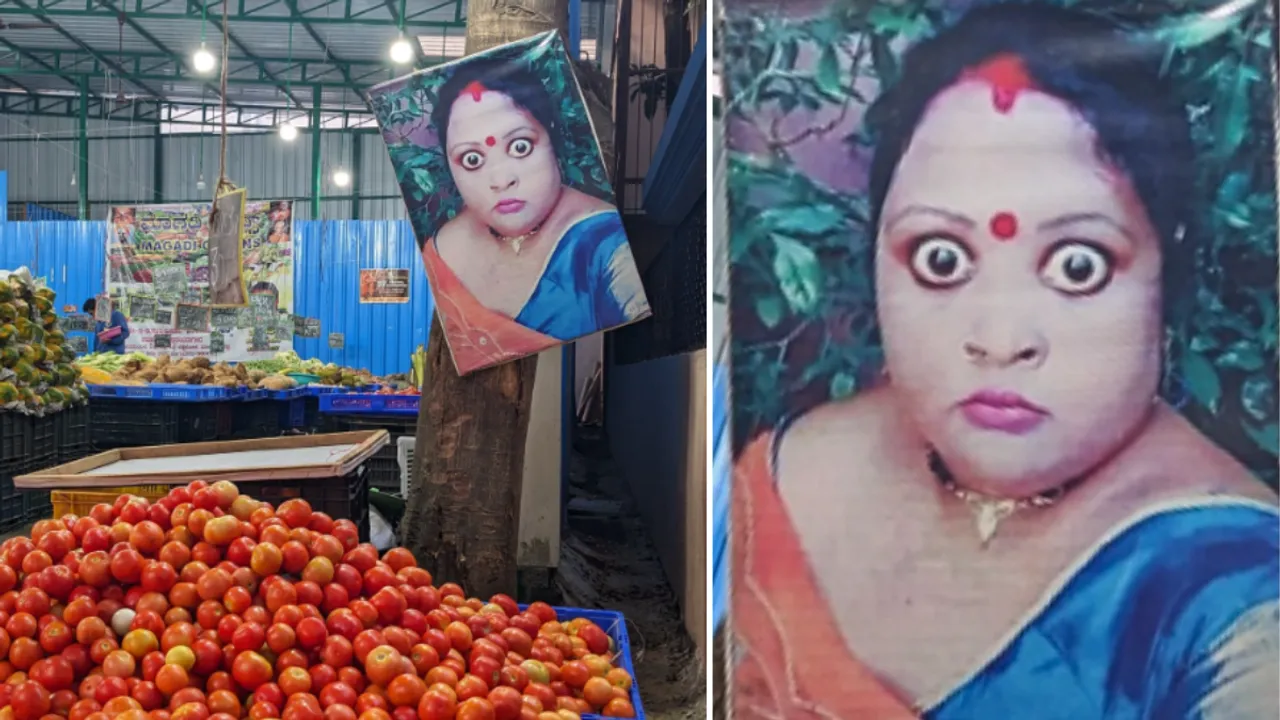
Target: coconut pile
(198,371)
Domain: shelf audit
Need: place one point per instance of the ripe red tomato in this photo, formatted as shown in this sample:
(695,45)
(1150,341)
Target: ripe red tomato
(296,512)
(437,705)
(383,664)
(251,670)
(476,708)
(294,680)
(506,703)
(29,700)
(337,652)
(248,636)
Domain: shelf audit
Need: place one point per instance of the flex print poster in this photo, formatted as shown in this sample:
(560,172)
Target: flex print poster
(159,258)
(506,190)
(1003,294)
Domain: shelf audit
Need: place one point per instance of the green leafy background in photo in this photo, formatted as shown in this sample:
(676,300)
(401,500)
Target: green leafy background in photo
(800,256)
(403,109)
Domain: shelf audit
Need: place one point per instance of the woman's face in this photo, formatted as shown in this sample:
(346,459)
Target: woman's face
(502,162)
(1018,290)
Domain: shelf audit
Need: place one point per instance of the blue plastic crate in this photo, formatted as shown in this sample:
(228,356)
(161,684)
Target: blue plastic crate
(297,392)
(293,413)
(166,392)
(364,404)
(615,625)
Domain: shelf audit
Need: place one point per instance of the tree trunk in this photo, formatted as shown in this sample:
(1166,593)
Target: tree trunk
(463,516)
(497,22)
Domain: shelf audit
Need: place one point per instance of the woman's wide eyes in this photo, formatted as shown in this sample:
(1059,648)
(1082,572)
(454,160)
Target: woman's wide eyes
(520,147)
(471,160)
(1077,268)
(941,262)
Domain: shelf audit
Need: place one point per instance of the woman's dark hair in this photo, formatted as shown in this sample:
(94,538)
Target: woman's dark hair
(1113,80)
(509,77)
(262,286)
(90,306)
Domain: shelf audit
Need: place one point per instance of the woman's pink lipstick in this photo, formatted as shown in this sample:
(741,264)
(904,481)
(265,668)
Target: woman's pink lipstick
(509,207)
(1002,411)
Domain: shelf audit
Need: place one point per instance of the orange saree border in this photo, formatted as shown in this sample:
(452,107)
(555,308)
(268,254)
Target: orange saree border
(790,663)
(477,336)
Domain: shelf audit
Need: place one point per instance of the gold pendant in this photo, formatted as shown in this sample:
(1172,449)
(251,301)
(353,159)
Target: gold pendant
(516,243)
(988,514)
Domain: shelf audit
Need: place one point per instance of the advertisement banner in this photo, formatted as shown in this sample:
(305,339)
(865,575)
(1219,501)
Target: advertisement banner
(384,286)
(502,176)
(1003,288)
(162,273)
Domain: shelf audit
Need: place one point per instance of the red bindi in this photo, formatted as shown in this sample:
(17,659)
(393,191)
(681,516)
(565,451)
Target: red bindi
(491,141)
(1007,74)
(475,90)
(1004,225)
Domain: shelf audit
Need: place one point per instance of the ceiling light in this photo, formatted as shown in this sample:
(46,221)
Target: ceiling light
(288,132)
(203,60)
(341,178)
(401,52)
(200,182)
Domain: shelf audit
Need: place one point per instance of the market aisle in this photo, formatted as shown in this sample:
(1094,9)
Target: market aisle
(608,560)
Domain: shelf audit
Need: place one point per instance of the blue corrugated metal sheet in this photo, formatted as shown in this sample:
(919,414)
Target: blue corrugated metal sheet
(328,259)
(70,256)
(327,262)
(721,485)
(40,213)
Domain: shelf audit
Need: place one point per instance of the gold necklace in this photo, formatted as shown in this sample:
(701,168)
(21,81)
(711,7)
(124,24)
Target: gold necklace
(515,241)
(988,511)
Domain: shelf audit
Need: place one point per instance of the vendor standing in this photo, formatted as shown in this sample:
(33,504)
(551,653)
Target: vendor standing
(108,340)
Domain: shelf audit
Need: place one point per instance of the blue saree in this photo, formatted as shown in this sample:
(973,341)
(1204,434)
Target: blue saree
(1171,616)
(590,282)
(1174,617)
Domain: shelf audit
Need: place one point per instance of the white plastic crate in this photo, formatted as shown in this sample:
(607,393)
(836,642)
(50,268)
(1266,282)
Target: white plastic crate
(404,458)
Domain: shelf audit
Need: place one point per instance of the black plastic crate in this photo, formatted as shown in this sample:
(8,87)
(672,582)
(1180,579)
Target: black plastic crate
(384,470)
(44,443)
(72,428)
(15,441)
(131,423)
(36,505)
(338,497)
(397,425)
(384,467)
(255,419)
(12,511)
(204,421)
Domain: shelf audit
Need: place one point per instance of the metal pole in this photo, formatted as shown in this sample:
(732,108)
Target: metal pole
(157,167)
(357,143)
(317,167)
(575,29)
(82,172)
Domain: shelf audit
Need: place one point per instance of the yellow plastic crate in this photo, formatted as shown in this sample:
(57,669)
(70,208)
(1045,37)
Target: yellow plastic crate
(80,502)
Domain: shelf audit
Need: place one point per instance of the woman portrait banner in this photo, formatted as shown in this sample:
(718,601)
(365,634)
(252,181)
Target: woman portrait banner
(507,193)
(1003,290)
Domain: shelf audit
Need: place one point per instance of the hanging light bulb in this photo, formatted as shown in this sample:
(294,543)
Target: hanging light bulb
(203,60)
(73,179)
(401,51)
(200,182)
(341,177)
(288,131)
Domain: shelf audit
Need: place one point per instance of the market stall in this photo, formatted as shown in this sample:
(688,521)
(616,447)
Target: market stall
(230,579)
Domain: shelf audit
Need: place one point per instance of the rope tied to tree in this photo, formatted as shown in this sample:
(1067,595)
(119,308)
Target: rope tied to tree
(224,184)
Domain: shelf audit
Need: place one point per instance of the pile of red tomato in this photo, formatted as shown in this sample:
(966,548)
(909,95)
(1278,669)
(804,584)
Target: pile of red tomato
(210,605)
